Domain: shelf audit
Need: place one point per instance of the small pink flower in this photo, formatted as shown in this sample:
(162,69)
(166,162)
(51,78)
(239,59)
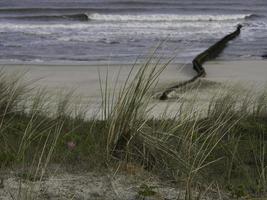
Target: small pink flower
(71,145)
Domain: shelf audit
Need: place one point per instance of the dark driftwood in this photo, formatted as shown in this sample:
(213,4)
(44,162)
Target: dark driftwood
(211,53)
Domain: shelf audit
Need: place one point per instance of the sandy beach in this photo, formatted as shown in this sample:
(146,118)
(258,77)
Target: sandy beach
(84,79)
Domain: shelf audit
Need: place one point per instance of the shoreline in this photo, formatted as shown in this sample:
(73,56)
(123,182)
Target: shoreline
(253,70)
(113,63)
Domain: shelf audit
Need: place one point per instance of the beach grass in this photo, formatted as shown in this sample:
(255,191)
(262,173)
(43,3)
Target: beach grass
(219,150)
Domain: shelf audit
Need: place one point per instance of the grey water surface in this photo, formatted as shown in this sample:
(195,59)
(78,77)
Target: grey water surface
(82,31)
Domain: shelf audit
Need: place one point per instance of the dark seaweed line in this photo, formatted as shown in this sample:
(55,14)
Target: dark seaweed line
(209,54)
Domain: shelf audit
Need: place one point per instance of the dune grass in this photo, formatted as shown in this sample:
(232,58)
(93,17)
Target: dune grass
(221,152)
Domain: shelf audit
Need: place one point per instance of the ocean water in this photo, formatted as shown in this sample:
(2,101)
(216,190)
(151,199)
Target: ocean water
(82,31)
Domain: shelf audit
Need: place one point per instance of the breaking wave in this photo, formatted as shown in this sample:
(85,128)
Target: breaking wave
(168,17)
(137,17)
(76,17)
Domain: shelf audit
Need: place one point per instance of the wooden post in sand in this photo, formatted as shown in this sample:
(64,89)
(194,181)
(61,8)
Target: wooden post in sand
(209,54)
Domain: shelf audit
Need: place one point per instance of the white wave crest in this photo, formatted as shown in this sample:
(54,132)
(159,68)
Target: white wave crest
(167,17)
